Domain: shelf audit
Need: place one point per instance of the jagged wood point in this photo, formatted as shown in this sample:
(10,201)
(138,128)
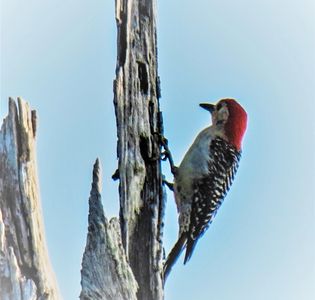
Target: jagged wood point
(25,270)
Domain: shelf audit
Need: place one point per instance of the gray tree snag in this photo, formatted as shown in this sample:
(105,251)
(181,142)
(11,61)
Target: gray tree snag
(25,270)
(123,259)
(136,99)
(105,272)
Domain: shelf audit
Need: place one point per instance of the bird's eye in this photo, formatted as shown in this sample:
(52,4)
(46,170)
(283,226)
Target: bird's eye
(220,122)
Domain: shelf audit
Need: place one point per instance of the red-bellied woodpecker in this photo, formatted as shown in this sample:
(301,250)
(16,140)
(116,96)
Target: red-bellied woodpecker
(205,175)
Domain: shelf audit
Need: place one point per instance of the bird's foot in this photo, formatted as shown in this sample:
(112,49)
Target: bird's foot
(170,185)
(166,154)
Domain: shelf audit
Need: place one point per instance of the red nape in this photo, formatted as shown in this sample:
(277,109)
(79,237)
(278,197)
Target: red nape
(236,124)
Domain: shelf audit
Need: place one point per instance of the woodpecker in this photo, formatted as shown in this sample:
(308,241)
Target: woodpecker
(205,175)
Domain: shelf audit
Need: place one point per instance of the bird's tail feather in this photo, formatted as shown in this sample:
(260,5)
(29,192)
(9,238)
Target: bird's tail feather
(190,246)
(174,254)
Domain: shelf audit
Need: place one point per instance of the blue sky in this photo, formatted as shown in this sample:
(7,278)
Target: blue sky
(60,56)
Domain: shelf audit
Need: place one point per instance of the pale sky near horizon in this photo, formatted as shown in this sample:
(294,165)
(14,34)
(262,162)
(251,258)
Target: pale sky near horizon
(60,56)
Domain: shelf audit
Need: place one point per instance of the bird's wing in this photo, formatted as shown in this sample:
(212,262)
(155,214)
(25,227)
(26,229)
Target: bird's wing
(210,190)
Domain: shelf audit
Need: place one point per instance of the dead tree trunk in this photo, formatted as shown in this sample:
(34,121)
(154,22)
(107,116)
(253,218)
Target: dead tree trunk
(136,90)
(25,271)
(136,99)
(139,124)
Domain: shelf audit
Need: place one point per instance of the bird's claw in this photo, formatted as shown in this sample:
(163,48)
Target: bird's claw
(170,185)
(166,154)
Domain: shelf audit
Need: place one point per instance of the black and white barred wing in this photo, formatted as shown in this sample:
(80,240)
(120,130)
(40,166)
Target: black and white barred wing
(210,190)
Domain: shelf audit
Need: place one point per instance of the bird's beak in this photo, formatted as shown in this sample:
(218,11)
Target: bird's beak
(207,106)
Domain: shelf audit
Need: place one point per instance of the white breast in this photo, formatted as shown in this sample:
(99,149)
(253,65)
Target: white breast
(196,159)
(193,166)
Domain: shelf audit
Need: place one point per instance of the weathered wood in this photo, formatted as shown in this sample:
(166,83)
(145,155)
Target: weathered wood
(122,259)
(25,271)
(136,98)
(105,271)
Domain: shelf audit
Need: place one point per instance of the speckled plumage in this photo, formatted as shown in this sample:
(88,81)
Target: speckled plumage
(209,190)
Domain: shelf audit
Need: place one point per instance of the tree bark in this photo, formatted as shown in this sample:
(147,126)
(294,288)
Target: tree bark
(139,123)
(105,272)
(25,271)
(122,259)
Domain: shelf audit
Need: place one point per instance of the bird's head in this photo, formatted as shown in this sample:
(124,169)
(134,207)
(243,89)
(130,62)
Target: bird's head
(229,120)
